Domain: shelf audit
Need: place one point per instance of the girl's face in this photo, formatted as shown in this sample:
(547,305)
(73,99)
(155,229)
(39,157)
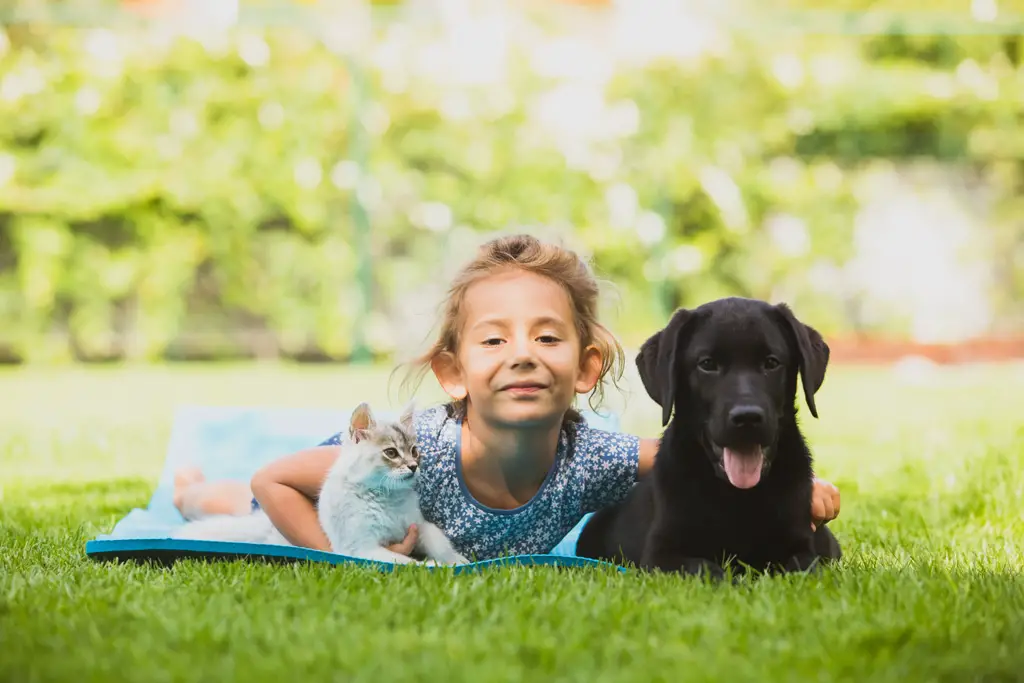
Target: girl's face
(519,359)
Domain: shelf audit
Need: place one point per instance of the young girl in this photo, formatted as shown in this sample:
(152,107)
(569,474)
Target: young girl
(507,466)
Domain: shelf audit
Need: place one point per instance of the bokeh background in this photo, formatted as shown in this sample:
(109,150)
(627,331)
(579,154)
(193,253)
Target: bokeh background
(216,179)
(222,202)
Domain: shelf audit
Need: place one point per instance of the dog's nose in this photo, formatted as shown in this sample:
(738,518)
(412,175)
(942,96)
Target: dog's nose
(746,416)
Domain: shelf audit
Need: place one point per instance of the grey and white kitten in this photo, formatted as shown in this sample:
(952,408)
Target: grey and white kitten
(367,500)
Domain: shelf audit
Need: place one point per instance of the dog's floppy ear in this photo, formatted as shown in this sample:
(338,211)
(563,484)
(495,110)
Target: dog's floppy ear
(813,355)
(657,363)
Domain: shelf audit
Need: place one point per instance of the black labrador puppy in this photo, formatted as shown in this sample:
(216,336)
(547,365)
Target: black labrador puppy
(732,481)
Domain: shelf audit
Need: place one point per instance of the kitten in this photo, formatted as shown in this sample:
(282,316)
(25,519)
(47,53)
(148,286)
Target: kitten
(367,500)
(369,496)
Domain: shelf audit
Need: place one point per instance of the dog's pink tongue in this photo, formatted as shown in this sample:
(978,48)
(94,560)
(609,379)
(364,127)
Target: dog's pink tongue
(743,467)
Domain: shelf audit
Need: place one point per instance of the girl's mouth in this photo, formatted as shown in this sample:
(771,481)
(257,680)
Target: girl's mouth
(523,388)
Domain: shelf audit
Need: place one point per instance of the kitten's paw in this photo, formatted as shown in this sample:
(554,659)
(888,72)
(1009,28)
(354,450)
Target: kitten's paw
(446,561)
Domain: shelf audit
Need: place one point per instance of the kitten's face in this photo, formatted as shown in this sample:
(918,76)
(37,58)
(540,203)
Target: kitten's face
(387,451)
(399,456)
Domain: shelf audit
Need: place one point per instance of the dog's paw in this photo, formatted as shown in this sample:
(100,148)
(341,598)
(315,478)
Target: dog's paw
(815,568)
(704,568)
(803,563)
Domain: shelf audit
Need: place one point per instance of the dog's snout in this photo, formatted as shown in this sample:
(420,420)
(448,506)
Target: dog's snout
(746,416)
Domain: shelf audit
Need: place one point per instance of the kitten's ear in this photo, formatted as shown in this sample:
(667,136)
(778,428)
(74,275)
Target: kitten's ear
(361,423)
(406,418)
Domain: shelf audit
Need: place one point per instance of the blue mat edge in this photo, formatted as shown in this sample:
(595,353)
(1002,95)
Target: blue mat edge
(110,550)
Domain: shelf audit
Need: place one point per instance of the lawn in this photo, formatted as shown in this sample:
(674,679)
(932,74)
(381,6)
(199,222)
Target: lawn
(931,468)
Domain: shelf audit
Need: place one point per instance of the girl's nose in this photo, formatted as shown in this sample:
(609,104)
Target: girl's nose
(522,352)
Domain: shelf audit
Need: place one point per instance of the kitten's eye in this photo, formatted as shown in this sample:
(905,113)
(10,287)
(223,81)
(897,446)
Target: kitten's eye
(415,452)
(771,362)
(707,365)
(391,453)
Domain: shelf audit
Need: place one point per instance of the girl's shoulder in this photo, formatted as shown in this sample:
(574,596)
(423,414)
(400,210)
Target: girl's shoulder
(608,463)
(430,424)
(601,444)
(437,436)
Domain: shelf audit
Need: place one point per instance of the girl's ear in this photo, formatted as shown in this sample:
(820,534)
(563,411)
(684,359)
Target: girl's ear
(590,370)
(449,375)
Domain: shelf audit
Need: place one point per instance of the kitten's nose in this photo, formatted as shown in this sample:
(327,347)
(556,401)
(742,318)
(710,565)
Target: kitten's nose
(412,467)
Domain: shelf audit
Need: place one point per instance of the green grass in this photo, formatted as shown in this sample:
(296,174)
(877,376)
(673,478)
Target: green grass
(932,475)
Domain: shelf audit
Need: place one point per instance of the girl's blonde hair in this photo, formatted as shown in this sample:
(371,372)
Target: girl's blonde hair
(529,254)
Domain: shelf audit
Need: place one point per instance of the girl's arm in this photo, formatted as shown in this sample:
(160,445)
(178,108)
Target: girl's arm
(287,488)
(648,449)
(824,498)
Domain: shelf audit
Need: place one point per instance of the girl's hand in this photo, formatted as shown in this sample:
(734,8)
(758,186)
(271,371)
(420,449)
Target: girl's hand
(824,503)
(408,544)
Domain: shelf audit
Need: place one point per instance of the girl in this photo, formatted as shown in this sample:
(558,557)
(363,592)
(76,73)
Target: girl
(507,466)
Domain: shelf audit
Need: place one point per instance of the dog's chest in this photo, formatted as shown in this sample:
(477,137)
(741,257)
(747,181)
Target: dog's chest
(765,524)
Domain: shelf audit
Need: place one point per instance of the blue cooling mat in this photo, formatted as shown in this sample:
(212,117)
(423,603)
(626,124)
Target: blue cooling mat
(232,443)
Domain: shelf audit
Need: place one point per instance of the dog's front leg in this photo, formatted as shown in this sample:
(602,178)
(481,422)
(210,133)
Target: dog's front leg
(803,559)
(688,566)
(802,562)
(698,566)
(664,552)
(671,560)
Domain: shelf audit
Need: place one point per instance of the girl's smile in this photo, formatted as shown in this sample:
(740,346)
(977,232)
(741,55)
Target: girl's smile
(525,389)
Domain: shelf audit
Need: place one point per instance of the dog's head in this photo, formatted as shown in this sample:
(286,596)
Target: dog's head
(729,368)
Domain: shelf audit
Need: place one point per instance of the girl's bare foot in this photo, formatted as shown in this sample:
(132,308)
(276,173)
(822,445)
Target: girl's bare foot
(185,479)
(195,497)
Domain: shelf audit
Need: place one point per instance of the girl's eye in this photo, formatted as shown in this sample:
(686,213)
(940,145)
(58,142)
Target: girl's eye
(493,341)
(708,365)
(548,339)
(391,452)
(771,362)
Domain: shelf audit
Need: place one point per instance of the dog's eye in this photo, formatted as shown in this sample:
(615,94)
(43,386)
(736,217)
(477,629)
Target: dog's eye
(771,362)
(391,453)
(707,365)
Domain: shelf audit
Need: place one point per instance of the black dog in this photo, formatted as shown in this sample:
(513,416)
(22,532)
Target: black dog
(733,476)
